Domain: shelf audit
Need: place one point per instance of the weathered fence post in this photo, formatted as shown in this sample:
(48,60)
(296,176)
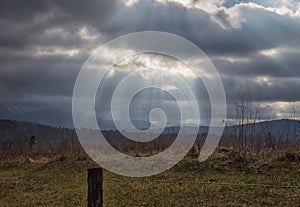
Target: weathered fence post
(95,187)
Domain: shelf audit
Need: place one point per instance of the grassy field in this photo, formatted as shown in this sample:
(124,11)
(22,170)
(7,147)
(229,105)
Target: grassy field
(62,181)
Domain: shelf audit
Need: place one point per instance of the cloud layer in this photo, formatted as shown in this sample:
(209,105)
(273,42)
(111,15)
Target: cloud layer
(255,46)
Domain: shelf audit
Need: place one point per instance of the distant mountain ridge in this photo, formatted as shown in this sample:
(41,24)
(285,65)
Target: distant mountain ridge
(277,129)
(16,131)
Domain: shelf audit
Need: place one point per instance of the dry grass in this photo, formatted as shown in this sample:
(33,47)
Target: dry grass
(61,180)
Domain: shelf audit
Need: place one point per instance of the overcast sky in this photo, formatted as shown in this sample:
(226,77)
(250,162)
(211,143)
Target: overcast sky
(255,46)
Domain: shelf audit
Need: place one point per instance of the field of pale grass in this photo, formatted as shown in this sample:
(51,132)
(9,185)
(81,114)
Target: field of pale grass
(61,180)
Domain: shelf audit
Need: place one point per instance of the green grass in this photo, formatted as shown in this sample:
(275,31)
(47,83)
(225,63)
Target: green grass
(63,182)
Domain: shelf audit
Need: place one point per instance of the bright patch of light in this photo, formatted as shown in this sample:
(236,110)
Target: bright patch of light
(282,105)
(169,88)
(263,80)
(56,52)
(183,2)
(234,59)
(87,34)
(209,6)
(131,2)
(284,109)
(270,52)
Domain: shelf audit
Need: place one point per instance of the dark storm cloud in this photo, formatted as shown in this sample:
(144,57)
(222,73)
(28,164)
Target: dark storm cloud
(28,26)
(22,10)
(286,64)
(278,89)
(53,26)
(51,76)
(26,23)
(75,10)
(260,30)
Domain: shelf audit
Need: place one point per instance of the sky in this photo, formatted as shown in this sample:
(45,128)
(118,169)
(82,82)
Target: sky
(254,45)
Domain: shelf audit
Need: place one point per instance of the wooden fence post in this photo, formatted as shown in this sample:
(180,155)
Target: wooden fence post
(95,187)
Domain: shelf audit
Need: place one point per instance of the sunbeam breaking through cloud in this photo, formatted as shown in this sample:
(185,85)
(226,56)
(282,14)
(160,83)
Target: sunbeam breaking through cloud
(254,45)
